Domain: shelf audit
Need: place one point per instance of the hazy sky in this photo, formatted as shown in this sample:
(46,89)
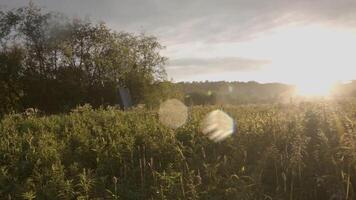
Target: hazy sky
(292,41)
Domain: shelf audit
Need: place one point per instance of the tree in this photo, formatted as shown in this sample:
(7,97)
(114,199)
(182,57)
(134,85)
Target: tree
(71,62)
(10,80)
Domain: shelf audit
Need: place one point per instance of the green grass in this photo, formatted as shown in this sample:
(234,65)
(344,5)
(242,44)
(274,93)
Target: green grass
(296,151)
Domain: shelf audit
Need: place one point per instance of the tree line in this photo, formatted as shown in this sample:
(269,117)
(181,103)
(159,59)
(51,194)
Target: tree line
(237,93)
(54,63)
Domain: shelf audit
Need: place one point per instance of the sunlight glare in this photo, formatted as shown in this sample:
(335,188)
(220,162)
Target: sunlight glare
(314,89)
(314,52)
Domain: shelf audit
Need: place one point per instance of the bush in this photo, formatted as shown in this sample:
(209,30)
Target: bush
(304,151)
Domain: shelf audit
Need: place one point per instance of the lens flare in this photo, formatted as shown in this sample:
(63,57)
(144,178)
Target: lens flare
(314,88)
(173,113)
(218,125)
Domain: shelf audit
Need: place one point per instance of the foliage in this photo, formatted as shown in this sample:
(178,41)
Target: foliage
(54,64)
(293,151)
(10,84)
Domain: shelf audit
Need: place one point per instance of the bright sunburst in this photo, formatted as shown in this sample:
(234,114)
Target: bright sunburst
(313,58)
(314,89)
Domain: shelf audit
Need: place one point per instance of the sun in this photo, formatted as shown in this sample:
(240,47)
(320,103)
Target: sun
(312,57)
(314,89)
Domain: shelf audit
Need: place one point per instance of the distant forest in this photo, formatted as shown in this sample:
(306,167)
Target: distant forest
(235,93)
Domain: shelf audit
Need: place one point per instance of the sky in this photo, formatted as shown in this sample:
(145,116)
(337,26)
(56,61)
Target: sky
(302,42)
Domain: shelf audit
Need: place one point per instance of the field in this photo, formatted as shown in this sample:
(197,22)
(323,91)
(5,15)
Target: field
(294,151)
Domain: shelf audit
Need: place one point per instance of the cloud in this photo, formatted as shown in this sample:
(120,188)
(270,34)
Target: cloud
(182,69)
(204,20)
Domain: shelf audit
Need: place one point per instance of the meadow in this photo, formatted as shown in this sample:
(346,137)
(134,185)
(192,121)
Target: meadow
(279,151)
